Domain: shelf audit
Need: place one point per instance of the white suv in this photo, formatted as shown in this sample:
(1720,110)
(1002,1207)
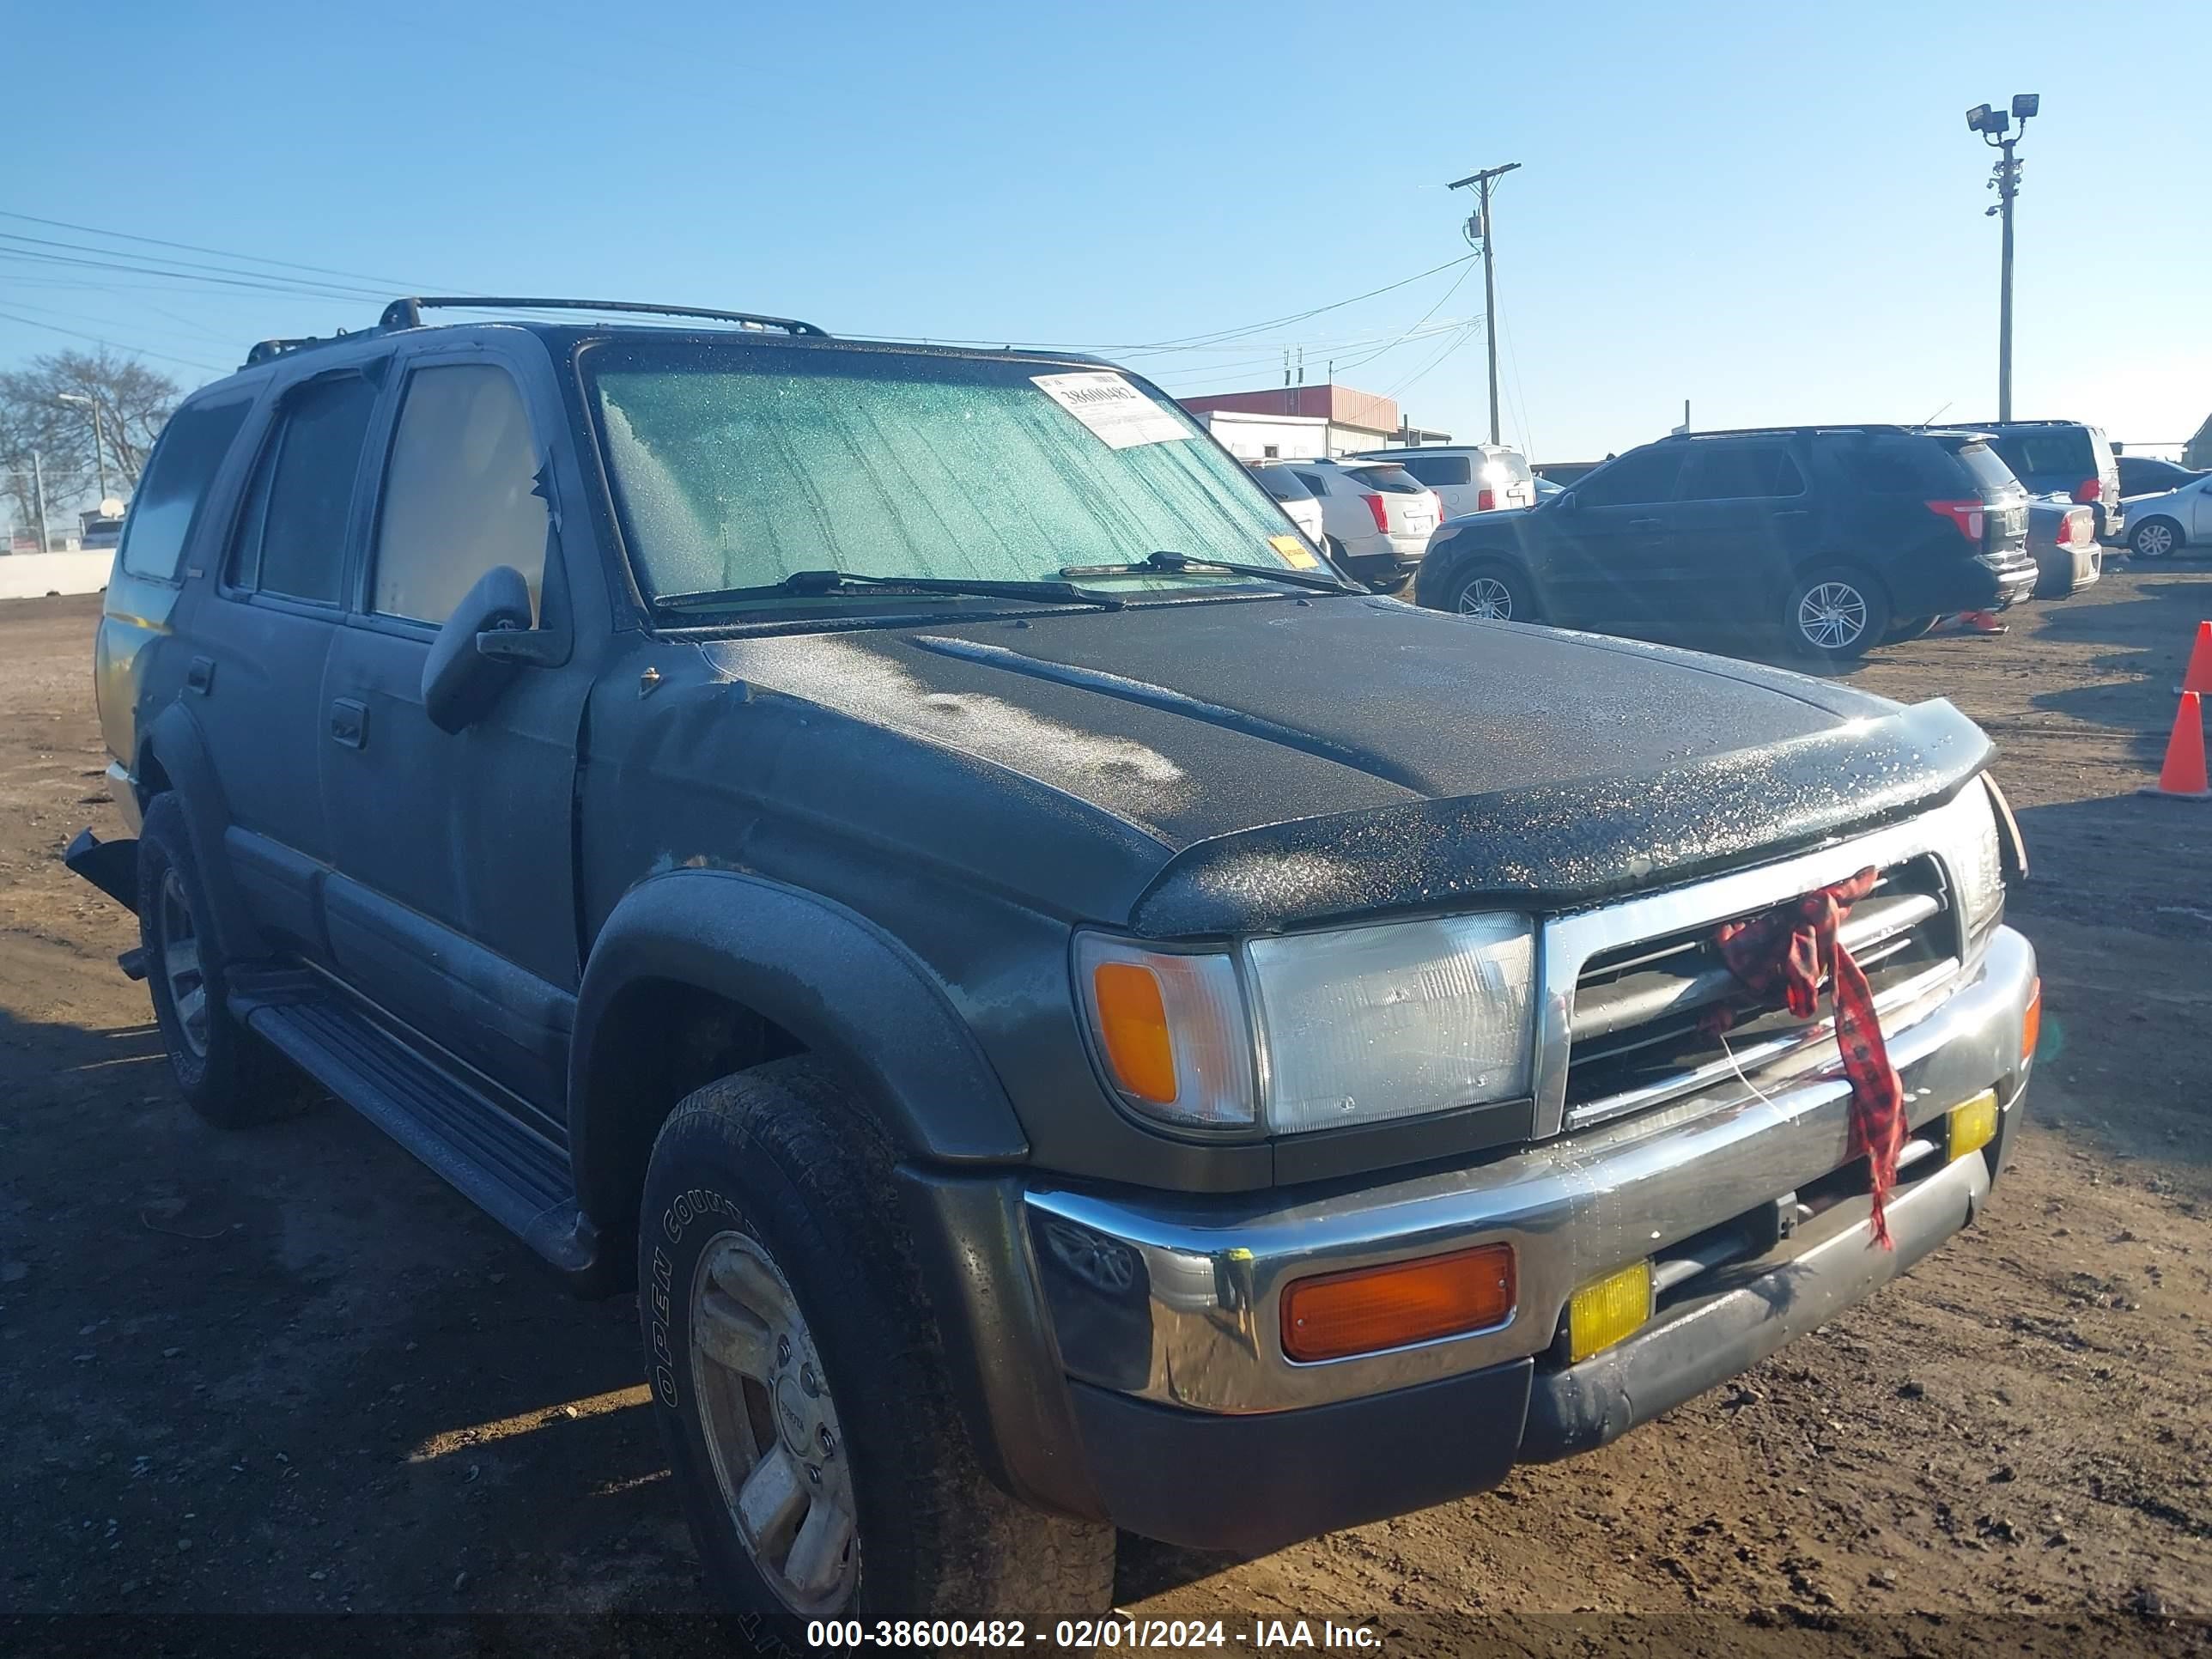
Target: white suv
(1467,477)
(1377,516)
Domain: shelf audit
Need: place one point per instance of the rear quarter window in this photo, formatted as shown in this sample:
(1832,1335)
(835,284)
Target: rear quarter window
(168,501)
(1391,480)
(1283,486)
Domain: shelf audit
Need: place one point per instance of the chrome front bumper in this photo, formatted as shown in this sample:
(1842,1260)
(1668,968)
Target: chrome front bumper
(1176,1300)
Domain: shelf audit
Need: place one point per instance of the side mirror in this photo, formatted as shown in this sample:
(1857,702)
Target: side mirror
(470,663)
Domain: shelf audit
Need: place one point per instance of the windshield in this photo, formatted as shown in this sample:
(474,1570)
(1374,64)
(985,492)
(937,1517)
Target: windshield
(736,465)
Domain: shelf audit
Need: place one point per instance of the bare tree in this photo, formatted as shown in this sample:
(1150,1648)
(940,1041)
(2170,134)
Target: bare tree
(134,402)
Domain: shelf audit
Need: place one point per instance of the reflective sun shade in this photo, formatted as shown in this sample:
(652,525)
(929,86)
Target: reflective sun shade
(1367,1023)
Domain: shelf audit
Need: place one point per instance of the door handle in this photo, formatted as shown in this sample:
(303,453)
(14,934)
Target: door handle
(1793,512)
(199,675)
(1644,523)
(349,723)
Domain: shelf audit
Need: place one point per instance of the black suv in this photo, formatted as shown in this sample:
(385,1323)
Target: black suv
(1846,536)
(1067,1014)
(2064,458)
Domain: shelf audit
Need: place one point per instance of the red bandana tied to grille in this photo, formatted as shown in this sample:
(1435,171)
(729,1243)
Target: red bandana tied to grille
(1792,947)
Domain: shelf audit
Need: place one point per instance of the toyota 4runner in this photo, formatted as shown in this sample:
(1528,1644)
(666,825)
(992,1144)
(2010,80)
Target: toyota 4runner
(1068,1013)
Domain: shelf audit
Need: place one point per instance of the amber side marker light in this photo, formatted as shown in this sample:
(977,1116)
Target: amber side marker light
(1367,1310)
(2031,1022)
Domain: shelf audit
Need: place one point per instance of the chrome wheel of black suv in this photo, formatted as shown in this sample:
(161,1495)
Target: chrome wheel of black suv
(1493,593)
(1836,613)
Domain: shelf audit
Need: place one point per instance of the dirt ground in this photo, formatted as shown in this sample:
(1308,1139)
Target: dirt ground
(287,1372)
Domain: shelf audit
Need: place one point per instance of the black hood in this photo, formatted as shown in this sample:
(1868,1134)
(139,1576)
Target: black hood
(1200,725)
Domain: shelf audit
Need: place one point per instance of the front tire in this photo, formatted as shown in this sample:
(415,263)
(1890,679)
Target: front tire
(2155,538)
(1835,614)
(227,1075)
(1492,592)
(1912,627)
(801,1382)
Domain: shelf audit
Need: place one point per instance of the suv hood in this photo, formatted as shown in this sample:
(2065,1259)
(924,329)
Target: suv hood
(1390,753)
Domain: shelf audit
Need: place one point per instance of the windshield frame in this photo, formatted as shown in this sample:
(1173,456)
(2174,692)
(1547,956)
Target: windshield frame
(850,609)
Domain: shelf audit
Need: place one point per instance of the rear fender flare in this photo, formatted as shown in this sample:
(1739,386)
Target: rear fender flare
(175,749)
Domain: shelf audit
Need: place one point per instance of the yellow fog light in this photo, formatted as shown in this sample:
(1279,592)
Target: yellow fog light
(1608,1308)
(1973,1123)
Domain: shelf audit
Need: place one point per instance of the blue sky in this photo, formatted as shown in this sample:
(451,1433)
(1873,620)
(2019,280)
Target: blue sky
(1772,210)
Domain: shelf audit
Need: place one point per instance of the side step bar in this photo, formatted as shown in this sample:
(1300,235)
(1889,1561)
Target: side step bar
(515,1174)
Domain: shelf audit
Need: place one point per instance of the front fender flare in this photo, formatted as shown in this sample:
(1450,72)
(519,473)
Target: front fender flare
(833,979)
(176,746)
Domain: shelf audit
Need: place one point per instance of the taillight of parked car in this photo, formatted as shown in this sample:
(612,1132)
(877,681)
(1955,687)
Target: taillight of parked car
(2089,490)
(1965,517)
(1381,514)
(2081,529)
(1487,502)
(1437,496)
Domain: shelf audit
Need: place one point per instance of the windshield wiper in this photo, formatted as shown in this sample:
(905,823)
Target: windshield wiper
(1183,564)
(826,582)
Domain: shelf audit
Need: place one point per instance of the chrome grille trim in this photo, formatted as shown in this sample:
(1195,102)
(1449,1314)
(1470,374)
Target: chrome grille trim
(1566,944)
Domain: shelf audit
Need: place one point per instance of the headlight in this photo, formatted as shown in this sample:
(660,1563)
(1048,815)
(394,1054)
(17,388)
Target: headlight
(1970,848)
(1353,1026)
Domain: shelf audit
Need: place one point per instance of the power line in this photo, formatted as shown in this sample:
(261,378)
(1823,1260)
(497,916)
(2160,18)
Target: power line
(109,340)
(220,254)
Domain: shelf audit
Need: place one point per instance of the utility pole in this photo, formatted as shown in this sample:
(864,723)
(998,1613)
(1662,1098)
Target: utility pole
(1994,125)
(38,494)
(99,447)
(1479,226)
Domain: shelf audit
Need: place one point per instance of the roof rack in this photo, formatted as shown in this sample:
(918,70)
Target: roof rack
(408,313)
(1787,431)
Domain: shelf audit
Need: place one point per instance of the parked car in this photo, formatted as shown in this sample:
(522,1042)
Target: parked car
(1067,1013)
(1843,537)
(1467,477)
(2063,458)
(2165,525)
(2146,475)
(1378,516)
(2061,539)
(1299,504)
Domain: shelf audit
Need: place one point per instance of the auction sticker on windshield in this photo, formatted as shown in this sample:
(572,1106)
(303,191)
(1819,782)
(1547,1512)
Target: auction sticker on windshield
(1118,415)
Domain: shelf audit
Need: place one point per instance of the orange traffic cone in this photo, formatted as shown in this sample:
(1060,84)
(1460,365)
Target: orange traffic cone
(2199,676)
(2181,777)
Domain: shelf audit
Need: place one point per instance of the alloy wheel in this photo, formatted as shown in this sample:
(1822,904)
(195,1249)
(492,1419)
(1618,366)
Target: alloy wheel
(181,967)
(1832,615)
(1488,597)
(771,1428)
(2154,541)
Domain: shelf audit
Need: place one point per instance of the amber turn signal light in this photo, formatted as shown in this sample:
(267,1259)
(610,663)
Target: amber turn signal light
(1133,1023)
(1332,1315)
(2031,1022)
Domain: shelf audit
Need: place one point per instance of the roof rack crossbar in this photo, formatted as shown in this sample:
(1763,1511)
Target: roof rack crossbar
(1786,431)
(408,313)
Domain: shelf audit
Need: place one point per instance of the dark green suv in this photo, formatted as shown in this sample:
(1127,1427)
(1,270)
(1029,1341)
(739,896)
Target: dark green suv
(1067,1013)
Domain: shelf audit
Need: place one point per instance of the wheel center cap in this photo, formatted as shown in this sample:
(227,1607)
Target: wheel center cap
(790,1415)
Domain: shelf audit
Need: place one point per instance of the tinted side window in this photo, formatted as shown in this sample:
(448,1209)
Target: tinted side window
(1282,484)
(1638,476)
(1437,469)
(1919,467)
(167,499)
(458,493)
(292,535)
(2066,450)
(1739,471)
(1314,482)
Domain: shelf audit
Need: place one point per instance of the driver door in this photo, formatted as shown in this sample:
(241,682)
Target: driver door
(452,904)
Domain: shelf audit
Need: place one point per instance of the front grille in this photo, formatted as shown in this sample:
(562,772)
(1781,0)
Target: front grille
(1638,1033)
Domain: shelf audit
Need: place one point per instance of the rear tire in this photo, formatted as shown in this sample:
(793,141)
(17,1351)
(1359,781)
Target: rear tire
(800,1378)
(2155,538)
(1835,614)
(1492,592)
(229,1076)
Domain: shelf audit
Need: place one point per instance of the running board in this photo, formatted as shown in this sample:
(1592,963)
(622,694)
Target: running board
(515,1175)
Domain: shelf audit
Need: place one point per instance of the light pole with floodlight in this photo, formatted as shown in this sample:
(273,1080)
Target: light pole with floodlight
(1994,124)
